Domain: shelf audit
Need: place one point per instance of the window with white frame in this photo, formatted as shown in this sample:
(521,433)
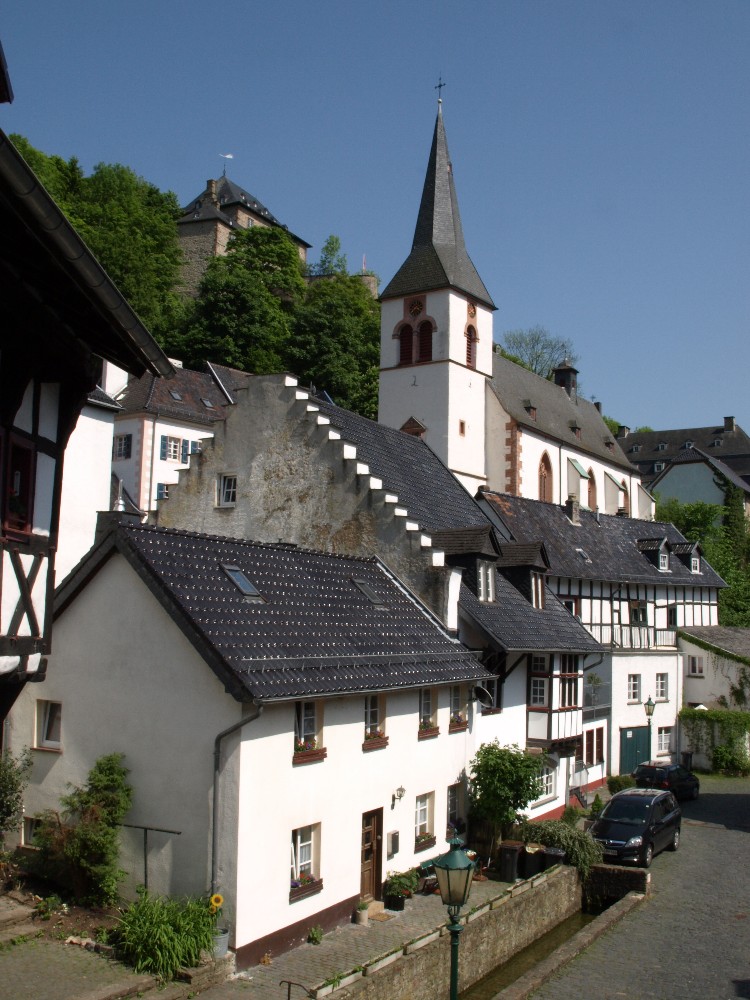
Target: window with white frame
(664,739)
(306,726)
(49,725)
(672,616)
(662,687)
(659,466)
(538,692)
(174,447)
(30,827)
(427,705)
(304,851)
(695,666)
(663,561)
(572,605)
(495,689)
(634,687)
(695,564)
(162,491)
(594,752)
(458,705)
(569,692)
(423,817)
(454,806)
(547,776)
(122,446)
(227,491)
(374,717)
(538,663)
(638,613)
(485,581)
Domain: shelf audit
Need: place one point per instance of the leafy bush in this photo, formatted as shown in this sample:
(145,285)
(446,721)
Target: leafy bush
(596,806)
(731,758)
(570,815)
(79,848)
(581,850)
(159,936)
(315,934)
(14,776)
(616,782)
(401,883)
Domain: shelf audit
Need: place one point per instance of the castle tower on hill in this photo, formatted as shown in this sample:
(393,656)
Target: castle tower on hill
(436,332)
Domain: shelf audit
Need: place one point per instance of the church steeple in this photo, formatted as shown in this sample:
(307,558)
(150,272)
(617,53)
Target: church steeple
(438,257)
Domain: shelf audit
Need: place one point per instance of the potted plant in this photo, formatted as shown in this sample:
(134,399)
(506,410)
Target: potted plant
(221,933)
(362,913)
(399,886)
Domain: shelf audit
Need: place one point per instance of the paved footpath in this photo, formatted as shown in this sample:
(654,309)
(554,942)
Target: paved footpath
(691,939)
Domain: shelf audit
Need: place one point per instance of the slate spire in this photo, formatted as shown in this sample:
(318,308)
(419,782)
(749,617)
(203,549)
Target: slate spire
(438,257)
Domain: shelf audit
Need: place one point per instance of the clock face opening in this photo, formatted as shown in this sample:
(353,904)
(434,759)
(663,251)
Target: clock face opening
(416,308)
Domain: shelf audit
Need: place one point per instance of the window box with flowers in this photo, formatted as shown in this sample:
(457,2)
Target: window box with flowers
(458,723)
(308,752)
(375,739)
(427,731)
(424,841)
(303,886)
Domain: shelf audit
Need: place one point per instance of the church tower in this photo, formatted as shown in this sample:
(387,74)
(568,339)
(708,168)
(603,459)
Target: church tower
(436,332)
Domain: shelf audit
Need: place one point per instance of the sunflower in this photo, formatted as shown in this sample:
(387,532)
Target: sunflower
(215,903)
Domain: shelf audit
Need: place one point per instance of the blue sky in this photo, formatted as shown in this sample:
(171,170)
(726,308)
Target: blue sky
(601,152)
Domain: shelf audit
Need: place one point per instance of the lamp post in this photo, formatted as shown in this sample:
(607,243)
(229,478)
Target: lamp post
(648,707)
(454,871)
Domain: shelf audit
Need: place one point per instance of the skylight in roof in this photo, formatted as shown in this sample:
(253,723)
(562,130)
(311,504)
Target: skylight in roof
(583,555)
(175,394)
(208,404)
(369,593)
(241,582)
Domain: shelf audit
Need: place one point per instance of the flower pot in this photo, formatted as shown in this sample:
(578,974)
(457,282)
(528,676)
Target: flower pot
(395,902)
(362,917)
(221,942)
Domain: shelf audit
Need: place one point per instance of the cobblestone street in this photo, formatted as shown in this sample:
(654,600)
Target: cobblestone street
(691,939)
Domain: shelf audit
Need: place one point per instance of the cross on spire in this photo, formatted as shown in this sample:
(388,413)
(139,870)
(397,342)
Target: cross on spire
(439,88)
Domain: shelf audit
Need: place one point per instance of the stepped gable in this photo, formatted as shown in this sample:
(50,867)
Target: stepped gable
(302,628)
(522,392)
(599,548)
(409,468)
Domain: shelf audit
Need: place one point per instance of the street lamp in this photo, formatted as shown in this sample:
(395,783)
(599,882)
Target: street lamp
(454,871)
(648,707)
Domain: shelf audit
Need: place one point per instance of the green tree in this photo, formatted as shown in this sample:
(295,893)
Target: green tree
(14,776)
(337,342)
(332,260)
(128,223)
(537,350)
(502,782)
(245,310)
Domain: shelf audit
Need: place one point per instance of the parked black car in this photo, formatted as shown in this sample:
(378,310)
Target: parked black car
(636,824)
(675,778)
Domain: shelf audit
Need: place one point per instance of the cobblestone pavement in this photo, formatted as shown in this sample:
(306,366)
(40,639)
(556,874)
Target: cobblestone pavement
(691,939)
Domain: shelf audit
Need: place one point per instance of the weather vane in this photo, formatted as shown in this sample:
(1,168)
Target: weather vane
(439,87)
(225,157)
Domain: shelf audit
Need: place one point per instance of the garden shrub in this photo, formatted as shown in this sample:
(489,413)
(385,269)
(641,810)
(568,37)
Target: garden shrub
(159,936)
(581,850)
(14,776)
(616,782)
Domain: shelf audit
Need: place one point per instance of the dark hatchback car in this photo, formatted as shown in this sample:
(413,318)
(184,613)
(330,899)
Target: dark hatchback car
(682,783)
(636,824)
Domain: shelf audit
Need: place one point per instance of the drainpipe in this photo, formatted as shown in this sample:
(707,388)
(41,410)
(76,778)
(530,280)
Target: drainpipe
(215,810)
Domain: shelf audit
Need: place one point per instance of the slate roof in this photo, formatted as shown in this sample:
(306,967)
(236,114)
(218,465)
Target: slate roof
(467,541)
(531,554)
(438,257)
(98,397)
(518,390)
(408,467)
(150,395)
(314,633)
(229,194)
(606,548)
(726,442)
(727,639)
(692,456)
(513,623)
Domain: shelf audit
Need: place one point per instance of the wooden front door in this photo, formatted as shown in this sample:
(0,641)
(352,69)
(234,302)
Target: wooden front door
(372,841)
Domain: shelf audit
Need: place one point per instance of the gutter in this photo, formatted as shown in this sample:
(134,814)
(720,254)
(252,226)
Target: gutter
(215,806)
(48,220)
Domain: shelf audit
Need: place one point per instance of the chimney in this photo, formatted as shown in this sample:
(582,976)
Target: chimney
(565,377)
(598,406)
(730,424)
(107,521)
(211,192)
(573,509)
(622,431)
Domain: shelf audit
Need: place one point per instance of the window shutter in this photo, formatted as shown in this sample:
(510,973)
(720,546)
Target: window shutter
(163,454)
(184,451)
(128,446)
(599,744)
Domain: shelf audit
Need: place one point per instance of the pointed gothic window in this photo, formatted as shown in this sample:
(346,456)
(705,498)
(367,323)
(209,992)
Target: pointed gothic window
(406,345)
(425,341)
(592,491)
(471,347)
(545,479)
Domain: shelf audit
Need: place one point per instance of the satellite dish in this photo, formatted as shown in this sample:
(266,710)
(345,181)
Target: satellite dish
(483,696)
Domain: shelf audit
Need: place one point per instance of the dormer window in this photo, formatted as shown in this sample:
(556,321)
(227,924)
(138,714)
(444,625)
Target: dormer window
(530,409)
(717,442)
(663,561)
(695,564)
(688,444)
(635,448)
(659,466)
(485,581)
(610,445)
(537,590)
(576,429)
(661,446)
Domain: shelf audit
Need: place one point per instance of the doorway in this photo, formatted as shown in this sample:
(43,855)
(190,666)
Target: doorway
(372,853)
(634,748)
